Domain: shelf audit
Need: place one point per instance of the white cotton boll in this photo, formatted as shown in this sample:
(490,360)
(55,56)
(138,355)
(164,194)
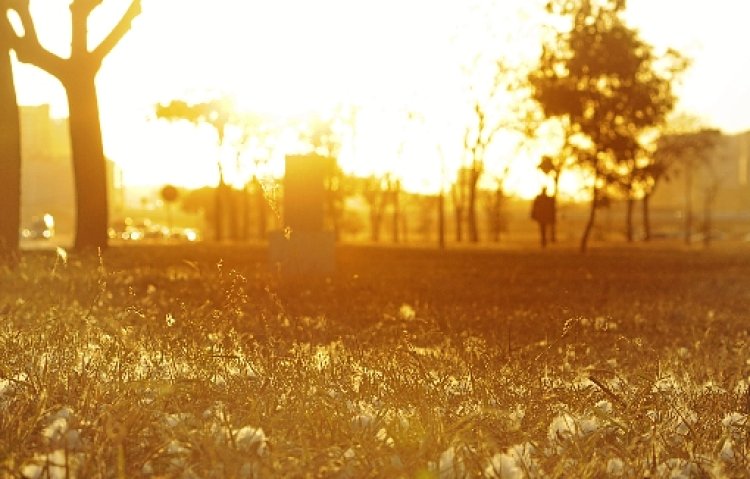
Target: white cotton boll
(562,427)
(741,388)
(685,422)
(734,420)
(588,425)
(6,387)
(522,452)
(450,466)
(406,312)
(59,429)
(727,451)
(711,387)
(603,408)
(175,448)
(249,471)
(654,416)
(665,385)
(32,471)
(382,435)
(251,439)
(677,468)
(176,419)
(55,429)
(615,467)
(363,421)
(50,466)
(503,466)
(516,418)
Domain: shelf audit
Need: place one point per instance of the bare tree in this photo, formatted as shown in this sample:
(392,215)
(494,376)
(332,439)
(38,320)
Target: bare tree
(77,75)
(477,138)
(379,192)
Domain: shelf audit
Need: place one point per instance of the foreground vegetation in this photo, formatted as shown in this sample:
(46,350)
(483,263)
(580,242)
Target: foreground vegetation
(199,362)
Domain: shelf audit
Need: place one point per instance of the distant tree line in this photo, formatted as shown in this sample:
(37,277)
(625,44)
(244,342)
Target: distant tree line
(606,90)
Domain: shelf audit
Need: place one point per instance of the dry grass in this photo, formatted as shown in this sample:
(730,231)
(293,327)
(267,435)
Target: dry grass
(199,362)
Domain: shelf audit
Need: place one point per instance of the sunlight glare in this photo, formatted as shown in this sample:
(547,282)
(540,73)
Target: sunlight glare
(293,59)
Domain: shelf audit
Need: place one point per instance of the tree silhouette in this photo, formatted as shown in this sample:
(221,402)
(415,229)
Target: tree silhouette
(687,153)
(10,148)
(608,84)
(378,191)
(77,74)
(216,113)
(478,136)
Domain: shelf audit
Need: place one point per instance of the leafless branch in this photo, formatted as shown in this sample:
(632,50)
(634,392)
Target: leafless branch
(118,32)
(28,48)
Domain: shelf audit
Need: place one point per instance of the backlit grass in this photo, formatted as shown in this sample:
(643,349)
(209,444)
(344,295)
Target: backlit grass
(199,362)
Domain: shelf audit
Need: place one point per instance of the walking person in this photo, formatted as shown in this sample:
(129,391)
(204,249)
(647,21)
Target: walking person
(543,212)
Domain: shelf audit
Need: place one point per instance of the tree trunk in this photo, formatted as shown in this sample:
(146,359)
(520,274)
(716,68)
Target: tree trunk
(646,217)
(10,157)
(396,212)
(375,217)
(708,200)
(688,203)
(234,214)
(404,225)
(498,213)
(553,226)
(89,164)
(459,216)
(260,204)
(472,210)
(629,218)
(590,222)
(707,220)
(219,205)
(441,219)
(246,211)
(335,212)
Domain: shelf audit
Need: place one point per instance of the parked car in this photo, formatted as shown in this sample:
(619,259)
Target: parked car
(41,228)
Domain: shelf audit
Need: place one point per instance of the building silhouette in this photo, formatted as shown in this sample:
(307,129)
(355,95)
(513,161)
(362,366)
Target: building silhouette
(47,185)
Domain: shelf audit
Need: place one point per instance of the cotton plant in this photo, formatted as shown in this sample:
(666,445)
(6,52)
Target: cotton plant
(678,468)
(62,436)
(518,462)
(251,440)
(566,427)
(451,465)
(735,433)
(57,464)
(673,426)
(61,430)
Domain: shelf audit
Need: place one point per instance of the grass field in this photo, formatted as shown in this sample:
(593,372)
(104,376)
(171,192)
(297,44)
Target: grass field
(197,361)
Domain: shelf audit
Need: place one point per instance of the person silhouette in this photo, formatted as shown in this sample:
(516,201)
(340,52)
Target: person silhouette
(543,212)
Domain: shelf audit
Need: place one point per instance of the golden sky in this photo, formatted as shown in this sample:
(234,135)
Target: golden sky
(290,58)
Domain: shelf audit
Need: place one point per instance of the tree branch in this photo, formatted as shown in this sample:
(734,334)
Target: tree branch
(28,48)
(117,33)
